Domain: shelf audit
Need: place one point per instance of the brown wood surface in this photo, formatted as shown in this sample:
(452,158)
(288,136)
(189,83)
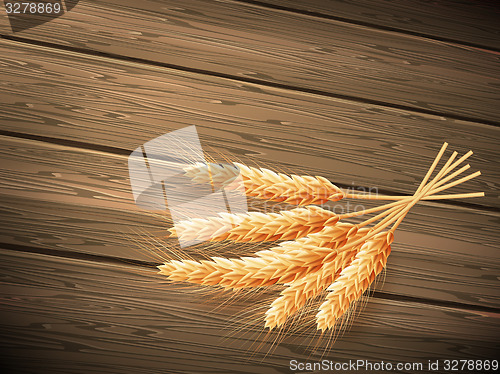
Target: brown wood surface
(64,95)
(74,200)
(465,21)
(266,45)
(120,317)
(362,92)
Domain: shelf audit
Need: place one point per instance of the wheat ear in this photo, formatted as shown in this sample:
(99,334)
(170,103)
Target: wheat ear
(255,226)
(284,263)
(296,295)
(267,184)
(355,279)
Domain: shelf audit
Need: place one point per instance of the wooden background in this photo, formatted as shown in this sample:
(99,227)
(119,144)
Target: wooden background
(363,92)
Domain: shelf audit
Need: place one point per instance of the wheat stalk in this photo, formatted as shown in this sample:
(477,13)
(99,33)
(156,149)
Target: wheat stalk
(321,254)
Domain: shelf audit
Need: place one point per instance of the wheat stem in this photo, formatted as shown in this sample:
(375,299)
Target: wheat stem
(451,176)
(454,196)
(460,160)
(373,197)
(379,216)
(455,183)
(373,210)
(422,190)
(402,199)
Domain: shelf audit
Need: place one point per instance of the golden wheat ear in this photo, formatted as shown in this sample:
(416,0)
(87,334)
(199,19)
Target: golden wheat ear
(267,184)
(255,226)
(355,279)
(287,262)
(328,266)
(220,175)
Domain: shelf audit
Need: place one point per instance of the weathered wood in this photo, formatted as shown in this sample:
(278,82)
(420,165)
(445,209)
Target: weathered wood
(313,54)
(470,22)
(68,199)
(122,105)
(59,313)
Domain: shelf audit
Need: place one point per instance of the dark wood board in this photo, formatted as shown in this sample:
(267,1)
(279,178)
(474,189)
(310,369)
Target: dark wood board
(363,92)
(89,317)
(464,21)
(68,199)
(282,48)
(103,103)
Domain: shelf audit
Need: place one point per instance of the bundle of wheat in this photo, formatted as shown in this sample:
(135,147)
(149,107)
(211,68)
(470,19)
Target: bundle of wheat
(323,254)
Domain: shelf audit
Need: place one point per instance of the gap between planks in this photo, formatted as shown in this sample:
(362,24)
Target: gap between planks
(120,188)
(103,259)
(124,152)
(371,25)
(261,82)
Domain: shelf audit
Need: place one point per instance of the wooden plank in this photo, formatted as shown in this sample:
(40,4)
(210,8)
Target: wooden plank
(265,45)
(68,199)
(121,105)
(469,22)
(59,313)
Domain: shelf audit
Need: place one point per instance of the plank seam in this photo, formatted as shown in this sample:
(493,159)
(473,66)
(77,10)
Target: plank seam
(371,25)
(356,99)
(125,152)
(144,264)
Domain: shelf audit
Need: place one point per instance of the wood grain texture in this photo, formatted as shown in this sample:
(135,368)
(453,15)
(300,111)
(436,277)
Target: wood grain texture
(257,43)
(68,199)
(121,105)
(96,318)
(465,21)
(303,93)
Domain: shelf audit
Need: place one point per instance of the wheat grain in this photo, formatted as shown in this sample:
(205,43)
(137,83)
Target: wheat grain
(220,175)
